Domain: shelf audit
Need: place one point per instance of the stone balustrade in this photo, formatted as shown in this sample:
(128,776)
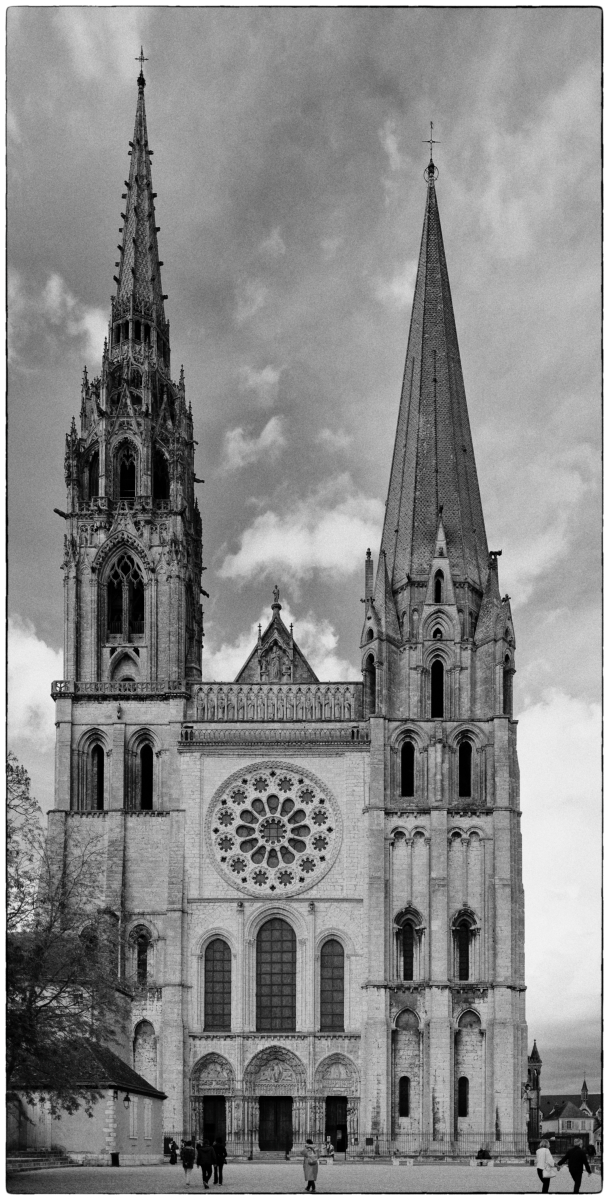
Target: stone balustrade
(228,702)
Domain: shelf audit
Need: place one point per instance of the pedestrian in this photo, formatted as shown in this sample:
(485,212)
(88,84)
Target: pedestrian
(329,1148)
(206,1159)
(220,1153)
(173,1153)
(545,1165)
(187,1154)
(310,1164)
(577,1162)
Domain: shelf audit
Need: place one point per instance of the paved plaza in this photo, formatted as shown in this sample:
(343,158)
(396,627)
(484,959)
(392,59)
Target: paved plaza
(278,1178)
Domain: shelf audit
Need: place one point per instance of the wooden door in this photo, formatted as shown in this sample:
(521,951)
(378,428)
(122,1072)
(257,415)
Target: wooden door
(336,1122)
(275,1123)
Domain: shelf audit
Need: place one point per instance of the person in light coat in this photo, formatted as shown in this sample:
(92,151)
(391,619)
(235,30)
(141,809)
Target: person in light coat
(545,1165)
(310,1164)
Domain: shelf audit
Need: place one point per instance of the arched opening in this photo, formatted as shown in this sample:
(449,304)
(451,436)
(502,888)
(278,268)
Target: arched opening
(146,776)
(370,635)
(463,936)
(465,769)
(437,688)
(125,599)
(126,473)
(370,686)
(404,1096)
(144,1052)
(276,977)
(146,335)
(408,950)
(160,476)
(332,986)
(407,769)
(142,943)
(93,475)
(463,1097)
(217,986)
(96,799)
(507,687)
(125,331)
(136,606)
(438,587)
(137,331)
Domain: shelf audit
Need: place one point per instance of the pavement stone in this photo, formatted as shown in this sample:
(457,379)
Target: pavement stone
(285,1178)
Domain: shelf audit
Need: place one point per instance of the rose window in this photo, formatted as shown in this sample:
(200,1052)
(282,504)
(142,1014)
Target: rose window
(272,829)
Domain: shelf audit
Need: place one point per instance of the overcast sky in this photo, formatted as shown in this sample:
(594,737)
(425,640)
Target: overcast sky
(288,164)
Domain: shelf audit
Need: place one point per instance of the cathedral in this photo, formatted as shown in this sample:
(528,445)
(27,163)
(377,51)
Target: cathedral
(317,886)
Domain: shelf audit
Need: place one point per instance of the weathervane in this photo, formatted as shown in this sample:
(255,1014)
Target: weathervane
(431,171)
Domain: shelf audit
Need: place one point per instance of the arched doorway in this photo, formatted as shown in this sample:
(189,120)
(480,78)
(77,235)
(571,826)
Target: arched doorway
(274,1083)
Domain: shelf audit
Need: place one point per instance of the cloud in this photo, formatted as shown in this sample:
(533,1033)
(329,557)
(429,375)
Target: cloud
(317,640)
(32,665)
(329,247)
(328,530)
(240,450)
(333,440)
(53,311)
(273,245)
(251,295)
(97,39)
(389,142)
(398,291)
(559,746)
(264,383)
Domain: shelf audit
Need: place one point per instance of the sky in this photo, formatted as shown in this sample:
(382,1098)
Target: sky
(289,157)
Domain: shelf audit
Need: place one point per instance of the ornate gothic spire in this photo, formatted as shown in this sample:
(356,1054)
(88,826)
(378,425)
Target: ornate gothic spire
(139,277)
(433,465)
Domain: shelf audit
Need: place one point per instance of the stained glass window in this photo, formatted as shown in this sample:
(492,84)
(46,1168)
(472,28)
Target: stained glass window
(332,986)
(276,976)
(217,985)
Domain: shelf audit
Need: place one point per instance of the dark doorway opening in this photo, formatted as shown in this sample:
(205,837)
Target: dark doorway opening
(275,1123)
(211,1119)
(336,1122)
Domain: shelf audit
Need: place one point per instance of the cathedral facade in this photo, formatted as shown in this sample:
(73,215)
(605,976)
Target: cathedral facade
(317,885)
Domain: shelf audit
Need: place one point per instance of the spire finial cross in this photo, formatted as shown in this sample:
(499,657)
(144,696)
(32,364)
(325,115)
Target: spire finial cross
(140,58)
(431,141)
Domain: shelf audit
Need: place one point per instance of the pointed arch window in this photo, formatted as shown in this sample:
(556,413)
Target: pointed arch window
(408,938)
(142,944)
(125,599)
(463,1097)
(404,1096)
(217,988)
(407,769)
(463,938)
(126,468)
(93,475)
(332,986)
(160,476)
(507,686)
(146,776)
(437,688)
(465,768)
(370,686)
(96,798)
(276,977)
(438,587)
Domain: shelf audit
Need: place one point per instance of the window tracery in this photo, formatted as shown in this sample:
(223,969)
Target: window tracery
(125,599)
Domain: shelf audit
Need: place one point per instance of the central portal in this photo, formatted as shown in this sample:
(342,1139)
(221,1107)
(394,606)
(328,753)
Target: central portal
(275,1123)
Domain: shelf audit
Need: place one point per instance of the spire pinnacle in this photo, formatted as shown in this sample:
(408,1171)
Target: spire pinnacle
(141,82)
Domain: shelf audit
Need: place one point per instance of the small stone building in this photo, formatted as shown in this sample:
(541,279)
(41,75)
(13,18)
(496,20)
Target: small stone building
(127,1120)
(319,883)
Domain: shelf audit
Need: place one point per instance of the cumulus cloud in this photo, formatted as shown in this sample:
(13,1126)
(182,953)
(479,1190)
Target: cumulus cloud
(264,383)
(96,39)
(328,530)
(240,450)
(273,245)
(398,291)
(317,640)
(333,440)
(55,311)
(32,665)
(251,295)
(559,746)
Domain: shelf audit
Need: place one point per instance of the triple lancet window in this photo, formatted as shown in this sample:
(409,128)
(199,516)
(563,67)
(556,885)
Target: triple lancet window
(125,600)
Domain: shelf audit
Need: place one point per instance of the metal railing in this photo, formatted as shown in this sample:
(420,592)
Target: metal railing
(460,1145)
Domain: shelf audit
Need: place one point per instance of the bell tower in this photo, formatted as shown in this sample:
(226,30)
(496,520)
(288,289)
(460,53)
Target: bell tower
(132,561)
(445,990)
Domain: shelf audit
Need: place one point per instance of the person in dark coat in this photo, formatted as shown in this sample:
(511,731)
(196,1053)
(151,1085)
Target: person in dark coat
(577,1162)
(206,1159)
(173,1153)
(220,1153)
(187,1154)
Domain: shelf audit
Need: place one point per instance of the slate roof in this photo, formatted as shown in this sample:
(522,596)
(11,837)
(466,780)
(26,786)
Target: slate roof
(100,1067)
(554,1104)
(433,461)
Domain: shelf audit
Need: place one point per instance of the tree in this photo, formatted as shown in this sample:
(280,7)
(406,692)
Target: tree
(63,955)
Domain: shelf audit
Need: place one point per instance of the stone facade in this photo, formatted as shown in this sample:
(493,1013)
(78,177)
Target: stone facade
(378,819)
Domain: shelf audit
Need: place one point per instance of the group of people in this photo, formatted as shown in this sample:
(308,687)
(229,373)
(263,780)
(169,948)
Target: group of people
(208,1156)
(576,1158)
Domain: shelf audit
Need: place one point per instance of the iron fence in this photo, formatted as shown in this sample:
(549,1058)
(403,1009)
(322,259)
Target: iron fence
(460,1145)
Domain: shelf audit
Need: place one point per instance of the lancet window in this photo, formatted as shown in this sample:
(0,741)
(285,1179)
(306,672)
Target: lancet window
(370,686)
(407,760)
(463,1097)
(125,599)
(437,688)
(126,469)
(96,797)
(276,977)
(438,586)
(332,986)
(160,476)
(465,768)
(217,985)
(404,1096)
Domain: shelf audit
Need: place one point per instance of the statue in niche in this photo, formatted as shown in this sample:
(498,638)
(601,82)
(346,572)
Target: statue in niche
(275,664)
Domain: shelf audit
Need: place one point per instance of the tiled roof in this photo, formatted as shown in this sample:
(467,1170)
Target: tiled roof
(548,1104)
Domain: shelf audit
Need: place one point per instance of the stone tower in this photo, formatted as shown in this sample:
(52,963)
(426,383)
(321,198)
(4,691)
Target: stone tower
(446,897)
(316,885)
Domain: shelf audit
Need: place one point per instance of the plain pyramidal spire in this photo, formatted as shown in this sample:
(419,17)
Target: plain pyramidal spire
(433,467)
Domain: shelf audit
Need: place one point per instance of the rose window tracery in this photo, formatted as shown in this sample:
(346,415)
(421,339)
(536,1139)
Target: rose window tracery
(273,829)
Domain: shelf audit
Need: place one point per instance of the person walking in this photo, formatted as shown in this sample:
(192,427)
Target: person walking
(187,1155)
(545,1165)
(206,1159)
(220,1152)
(577,1162)
(310,1164)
